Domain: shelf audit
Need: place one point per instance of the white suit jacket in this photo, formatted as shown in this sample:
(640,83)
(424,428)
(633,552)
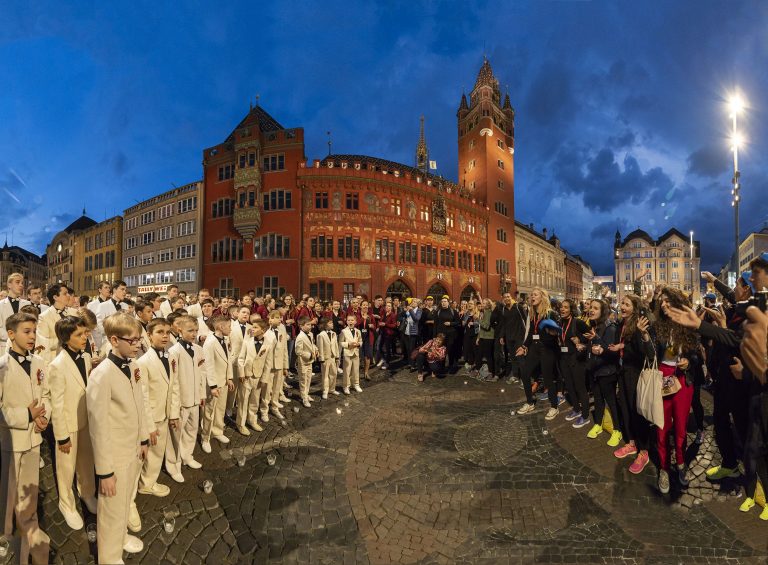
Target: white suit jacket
(279,352)
(69,412)
(327,346)
(6,311)
(165,308)
(346,337)
(46,332)
(305,348)
(236,339)
(116,420)
(105,309)
(257,365)
(191,373)
(160,389)
(218,364)
(17,391)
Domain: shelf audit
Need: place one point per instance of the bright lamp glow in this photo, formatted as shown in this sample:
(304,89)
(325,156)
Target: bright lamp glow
(736,104)
(737,140)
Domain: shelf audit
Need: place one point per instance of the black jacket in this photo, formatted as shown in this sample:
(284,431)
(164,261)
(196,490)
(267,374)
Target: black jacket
(509,323)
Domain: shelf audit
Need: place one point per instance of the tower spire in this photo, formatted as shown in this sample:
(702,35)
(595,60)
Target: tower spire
(422,154)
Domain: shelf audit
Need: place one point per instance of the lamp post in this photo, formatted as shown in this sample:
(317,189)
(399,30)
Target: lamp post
(693,275)
(736,105)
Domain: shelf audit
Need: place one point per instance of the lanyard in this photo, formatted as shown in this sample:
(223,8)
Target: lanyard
(565,330)
(536,323)
(621,340)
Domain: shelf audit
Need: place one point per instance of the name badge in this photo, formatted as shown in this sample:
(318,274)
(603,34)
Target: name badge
(535,337)
(563,349)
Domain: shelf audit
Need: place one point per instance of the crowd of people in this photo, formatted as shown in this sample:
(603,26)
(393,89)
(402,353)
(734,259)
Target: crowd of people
(121,386)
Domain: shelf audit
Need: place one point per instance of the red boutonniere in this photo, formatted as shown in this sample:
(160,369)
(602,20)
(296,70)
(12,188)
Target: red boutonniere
(136,374)
(173,365)
(200,363)
(40,377)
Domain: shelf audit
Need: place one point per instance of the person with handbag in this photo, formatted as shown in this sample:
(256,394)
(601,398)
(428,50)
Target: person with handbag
(634,349)
(679,360)
(603,369)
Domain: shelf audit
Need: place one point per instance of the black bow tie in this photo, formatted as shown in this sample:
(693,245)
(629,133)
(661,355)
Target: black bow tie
(79,355)
(61,312)
(161,353)
(23,358)
(13,299)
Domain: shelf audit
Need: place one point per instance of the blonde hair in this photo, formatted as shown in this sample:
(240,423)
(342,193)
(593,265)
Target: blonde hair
(121,324)
(545,306)
(14,276)
(186,319)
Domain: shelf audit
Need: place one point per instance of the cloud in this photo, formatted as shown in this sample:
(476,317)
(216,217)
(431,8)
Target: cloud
(708,161)
(550,94)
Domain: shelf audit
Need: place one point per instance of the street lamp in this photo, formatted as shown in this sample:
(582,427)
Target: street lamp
(736,107)
(693,275)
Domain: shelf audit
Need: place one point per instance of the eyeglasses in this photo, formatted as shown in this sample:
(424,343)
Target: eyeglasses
(130,341)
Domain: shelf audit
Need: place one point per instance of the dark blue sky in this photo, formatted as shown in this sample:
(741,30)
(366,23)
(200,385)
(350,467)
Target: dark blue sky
(619,105)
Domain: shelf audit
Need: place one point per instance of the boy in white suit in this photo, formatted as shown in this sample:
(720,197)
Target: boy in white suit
(253,365)
(161,400)
(218,370)
(24,411)
(350,340)
(144,314)
(67,380)
(328,353)
(117,426)
(48,345)
(11,304)
(241,330)
(306,353)
(192,381)
(272,387)
(109,307)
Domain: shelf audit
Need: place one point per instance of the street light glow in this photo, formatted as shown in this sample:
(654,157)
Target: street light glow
(737,140)
(736,103)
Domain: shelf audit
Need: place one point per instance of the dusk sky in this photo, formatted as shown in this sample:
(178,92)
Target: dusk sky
(620,106)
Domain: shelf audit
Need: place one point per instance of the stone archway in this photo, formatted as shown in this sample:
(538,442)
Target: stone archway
(468,292)
(437,291)
(400,289)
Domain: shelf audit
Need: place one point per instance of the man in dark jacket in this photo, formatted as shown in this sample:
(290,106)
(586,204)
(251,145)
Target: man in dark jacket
(509,323)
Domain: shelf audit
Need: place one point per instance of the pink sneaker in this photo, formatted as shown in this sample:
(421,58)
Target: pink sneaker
(639,464)
(625,450)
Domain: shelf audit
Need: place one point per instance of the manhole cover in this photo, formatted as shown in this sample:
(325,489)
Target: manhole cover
(491,440)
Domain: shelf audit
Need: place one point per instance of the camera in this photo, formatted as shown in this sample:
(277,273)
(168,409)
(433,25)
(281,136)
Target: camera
(759,300)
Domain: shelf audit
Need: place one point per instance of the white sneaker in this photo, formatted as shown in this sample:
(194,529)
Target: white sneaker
(222,439)
(73,519)
(358,389)
(310,399)
(255,425)
(325,396)
(380,363)
(178,477)
(307,403)
(192,464)
(526,409)
(265,417)
(134,520)
(339,371)
(285,400)
(346,390)
(335,392)
(132,544)
(206,445)
(552,414)
(276,413)
(42,463)
(156,490)
(277,405)
(244,431)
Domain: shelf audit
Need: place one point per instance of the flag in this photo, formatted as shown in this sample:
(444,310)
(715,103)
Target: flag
(433,165)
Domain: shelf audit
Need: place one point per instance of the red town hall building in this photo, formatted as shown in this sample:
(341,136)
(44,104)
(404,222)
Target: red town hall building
(352,224)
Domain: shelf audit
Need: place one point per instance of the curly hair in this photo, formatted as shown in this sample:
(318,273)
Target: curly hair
(629,326)
(666,330)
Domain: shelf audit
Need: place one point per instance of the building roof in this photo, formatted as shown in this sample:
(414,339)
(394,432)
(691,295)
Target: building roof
(83,222)
(266,122)
(485,76)
(15,250)
(638,234)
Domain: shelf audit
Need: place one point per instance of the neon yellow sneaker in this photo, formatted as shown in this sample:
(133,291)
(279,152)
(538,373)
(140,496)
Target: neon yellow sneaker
(764,513)
(595,431)
(747,505)
(718,472)
(615,438)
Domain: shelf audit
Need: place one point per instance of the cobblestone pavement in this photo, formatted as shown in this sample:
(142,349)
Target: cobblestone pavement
(434,472)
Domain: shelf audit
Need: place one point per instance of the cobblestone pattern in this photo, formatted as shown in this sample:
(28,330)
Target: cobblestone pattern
(434,472)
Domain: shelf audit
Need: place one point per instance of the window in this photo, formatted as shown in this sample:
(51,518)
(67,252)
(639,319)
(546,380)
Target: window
(275,200)
(501,208)
(322,290)
(147,217)
(165,211)
(465,260)
(500,184)
(449,220)
(226,288)
(111,236)
(500,163)
(273,162)
(353,202)
(675,276)
(185,228)
(226,172)
(674,264)
(385,250)
(271,245)
(501,235)
(637,266)
(502,267)
(471,143)
(186,251)
(109,259)
(428,255)
(130,262)
(222,207)
(147,238)
(321,200)
(471,165)
(131,223)
(271,286)
(479,261)
(98,241)
(662,265)
(408,252)
(500,144)
(131,242)
(165,255)
(349,247)
(424,215)
(164,233)
(349,293)
(447,258)
(185,275)
(663,276)
(147,258)
(147,278)
(395,206)
(188,204)
(164,277)
(321,247)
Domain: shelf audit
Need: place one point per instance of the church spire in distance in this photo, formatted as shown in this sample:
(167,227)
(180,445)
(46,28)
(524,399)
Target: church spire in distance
(422,154)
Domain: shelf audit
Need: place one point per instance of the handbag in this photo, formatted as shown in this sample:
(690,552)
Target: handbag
(670,384)
(649,393)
